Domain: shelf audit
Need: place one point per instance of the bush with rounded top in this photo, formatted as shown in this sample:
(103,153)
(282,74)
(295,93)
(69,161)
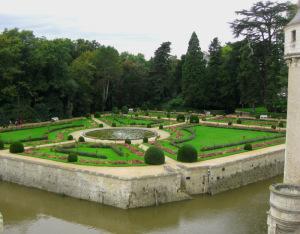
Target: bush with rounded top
(161,126)
(1,145)
(88,116)
(16,147)
(97,115)
(281,124)
(136,114)
(154,156)
(81,139)
(187,153)
(146,113)
(273,126)
(149,126)
(257,116)
(194,119)
(128,141)
(248,147)
(114,125)
(125,110)
(229,123)
(168,115)
(115,110)
(70,138)
(145,140)
(158,117)
(72,157)
(239,121)
(100,125)
(180,118)
(203,119)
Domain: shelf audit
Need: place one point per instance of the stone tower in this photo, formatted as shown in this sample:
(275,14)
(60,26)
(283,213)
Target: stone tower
(284,214)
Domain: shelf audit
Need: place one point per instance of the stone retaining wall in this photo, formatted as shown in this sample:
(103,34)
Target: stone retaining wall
(1,223)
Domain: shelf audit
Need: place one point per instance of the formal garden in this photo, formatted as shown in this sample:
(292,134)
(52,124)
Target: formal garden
(141,138)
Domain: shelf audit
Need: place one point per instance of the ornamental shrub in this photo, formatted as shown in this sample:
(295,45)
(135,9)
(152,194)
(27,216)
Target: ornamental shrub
(194,119)
(229,123)
(248,147)
(125,110)
(115,110)
(72,157)
(158,117)
(187,153)
(180,118)
(168,115)
(16,147)
(114,125)
(147,113)
(154,156)
(257,116)
(88,116)
(136,114)
(149,126)
(100,125)
(239,121)
(97,115)
(70,138)
(281,124)
(273,126)
(145,140)
(161,126)
(1,145)
(203,119)
(128,141)
(81,139)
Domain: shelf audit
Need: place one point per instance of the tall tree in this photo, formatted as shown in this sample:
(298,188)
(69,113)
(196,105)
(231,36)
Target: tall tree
(194,75)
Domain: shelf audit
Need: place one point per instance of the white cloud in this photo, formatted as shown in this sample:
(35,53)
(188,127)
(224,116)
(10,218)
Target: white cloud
(129,25)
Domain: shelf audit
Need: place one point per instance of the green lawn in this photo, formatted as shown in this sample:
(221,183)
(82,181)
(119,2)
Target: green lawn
(113,159)
(256,122)
(48,130)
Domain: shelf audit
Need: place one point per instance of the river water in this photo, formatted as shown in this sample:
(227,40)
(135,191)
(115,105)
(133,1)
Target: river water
(32,211)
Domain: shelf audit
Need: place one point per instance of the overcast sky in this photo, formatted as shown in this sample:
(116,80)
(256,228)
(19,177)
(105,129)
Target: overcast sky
(128,25)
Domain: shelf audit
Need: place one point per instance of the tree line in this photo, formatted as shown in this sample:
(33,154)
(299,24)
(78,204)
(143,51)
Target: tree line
(41,78)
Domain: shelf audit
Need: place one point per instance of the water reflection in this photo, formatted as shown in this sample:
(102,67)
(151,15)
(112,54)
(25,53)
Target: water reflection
(33,211)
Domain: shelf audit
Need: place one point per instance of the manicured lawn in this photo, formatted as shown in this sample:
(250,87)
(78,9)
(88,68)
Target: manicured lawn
(128,158)
(256,122)
(49,130)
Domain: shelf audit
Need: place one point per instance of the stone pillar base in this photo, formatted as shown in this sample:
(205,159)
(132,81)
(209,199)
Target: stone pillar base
(284,215)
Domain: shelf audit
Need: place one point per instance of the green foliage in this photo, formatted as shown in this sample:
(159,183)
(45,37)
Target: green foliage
(115,110)
(145,140)
(149,126)
(161,126)
(239,121)
(128,141)
(97,115)
(273,127)
(230,123)
(180,118)
(114,125)
(72,157)
(81,139)
(100,125)
(154,156)
(187,153)
(1,145)
(16,147)
(281,124)
(125,110)
(194,119)
(70,138)
(248,147)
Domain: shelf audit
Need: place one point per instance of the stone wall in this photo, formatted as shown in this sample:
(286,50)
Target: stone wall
(1,223)
(89,185)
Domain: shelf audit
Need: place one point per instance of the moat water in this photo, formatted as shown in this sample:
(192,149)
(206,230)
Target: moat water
(32,211)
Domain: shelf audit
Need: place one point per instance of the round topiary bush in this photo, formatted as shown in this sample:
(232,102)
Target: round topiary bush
(115,110)
(168,115)
(187,153)
(88,116)
(146,113)
(16,147)
(114,125)
(72,157)
(229,123)
(273,126)
(136,114)
(248,147)
(257,116)
(128,141)
(145,140)
(81,139)
(70,138)
(158,117)
(97,115)
(180,118)
(154,156)
(161,126)
(281,124)
(1,145)
(239,121)
(194,119)
(149,126)
(100,126)
(125,110)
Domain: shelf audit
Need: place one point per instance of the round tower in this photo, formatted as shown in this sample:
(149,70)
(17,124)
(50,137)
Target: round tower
(284,214)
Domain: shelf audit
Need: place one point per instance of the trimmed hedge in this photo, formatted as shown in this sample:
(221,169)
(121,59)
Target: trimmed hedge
(97,115)
(114,125)
(273,126)
(66,127)
(100,125)
(194,119)
(16,147)
(248,147)
(161,126)
(229,123)
(187,153)
(180,118)
(281,124)
(192,137)
(239,121)
(149,126)
(154,156)
(128,141)
(145,140)
(72,157)
(81,139)
(70,138)
(1,145)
